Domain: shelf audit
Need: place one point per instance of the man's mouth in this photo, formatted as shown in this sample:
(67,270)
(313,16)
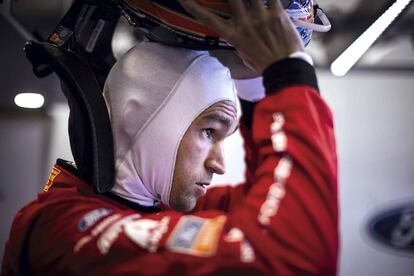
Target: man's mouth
(202,188)
(203,184)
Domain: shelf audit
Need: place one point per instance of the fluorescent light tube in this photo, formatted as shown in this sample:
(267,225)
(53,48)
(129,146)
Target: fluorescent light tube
(350,56)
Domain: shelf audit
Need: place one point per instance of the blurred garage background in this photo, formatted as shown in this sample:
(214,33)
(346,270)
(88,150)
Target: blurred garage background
(373,106)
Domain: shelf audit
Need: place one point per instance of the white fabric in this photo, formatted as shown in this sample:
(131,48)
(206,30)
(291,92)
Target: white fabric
(251,90)
(153,95)
(303,56)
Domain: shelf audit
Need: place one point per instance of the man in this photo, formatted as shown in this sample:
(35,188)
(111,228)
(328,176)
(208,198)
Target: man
(170,111)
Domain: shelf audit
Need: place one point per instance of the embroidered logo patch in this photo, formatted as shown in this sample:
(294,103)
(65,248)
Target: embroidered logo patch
(196,236)
(91,218)
(55,171)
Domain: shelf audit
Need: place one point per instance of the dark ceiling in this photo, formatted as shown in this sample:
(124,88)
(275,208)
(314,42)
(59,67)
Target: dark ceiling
(16,71)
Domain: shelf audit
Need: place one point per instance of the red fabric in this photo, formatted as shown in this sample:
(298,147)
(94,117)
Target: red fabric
(178,20)
(301,236)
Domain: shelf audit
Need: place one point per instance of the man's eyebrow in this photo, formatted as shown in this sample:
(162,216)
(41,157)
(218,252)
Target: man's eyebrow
(219,118)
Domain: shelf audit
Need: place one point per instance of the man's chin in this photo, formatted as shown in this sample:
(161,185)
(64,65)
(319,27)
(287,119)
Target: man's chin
(184,206)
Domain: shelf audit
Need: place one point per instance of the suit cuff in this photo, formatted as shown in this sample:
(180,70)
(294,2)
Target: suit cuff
(289,72)
(302,55)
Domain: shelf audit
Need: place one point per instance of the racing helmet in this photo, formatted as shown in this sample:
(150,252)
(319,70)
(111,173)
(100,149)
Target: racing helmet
(167,22)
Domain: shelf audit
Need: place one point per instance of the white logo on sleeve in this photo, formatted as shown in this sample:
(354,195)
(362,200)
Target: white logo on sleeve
(279,138)
(147,233)
(281,173)
(278,122)
(106,222)
(92,217)
(111,234)
(234,235)
(247,254)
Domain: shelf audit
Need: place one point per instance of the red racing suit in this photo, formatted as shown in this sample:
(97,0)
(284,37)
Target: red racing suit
(282,221)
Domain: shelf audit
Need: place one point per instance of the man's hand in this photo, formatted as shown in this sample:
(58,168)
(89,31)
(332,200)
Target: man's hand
(260,35)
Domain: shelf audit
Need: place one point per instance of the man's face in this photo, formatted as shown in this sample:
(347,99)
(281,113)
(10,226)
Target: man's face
(200,154)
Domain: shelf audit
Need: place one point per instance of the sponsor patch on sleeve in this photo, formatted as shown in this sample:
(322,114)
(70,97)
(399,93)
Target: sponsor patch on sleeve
(92,217)
(196,236)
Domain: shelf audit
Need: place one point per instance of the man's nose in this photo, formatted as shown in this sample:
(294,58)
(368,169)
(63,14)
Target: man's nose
(215,160)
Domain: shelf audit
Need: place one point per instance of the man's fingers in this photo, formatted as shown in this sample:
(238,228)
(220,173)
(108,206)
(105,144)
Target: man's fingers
(275,5)
(204,16)
(270,4)
(238,8)
(257,5)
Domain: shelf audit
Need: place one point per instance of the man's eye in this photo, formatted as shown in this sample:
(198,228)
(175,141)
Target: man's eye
(208,132)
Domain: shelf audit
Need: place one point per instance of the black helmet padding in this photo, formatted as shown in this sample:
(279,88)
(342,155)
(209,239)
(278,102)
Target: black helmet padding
(89,125)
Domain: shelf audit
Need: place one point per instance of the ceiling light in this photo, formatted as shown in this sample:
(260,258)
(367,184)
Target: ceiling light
(350,56)
(29,100)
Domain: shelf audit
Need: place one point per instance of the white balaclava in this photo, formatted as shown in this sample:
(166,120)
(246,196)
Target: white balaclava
(154,93)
